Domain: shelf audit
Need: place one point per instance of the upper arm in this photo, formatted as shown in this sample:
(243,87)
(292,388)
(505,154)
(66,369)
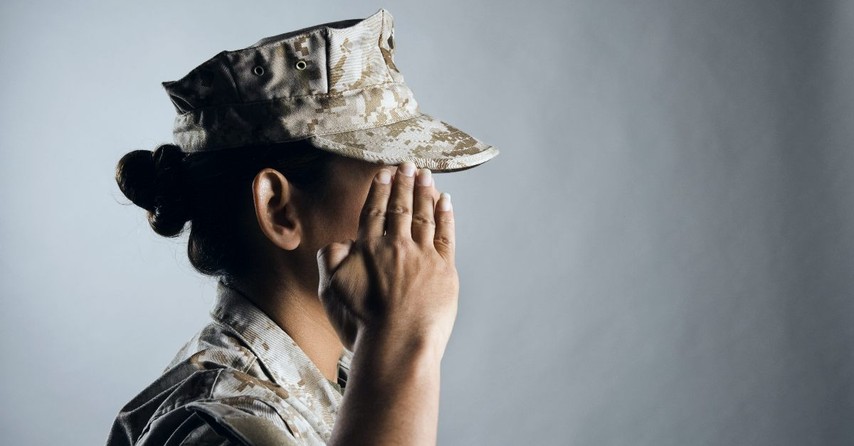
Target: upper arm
(241,427)
(199,433)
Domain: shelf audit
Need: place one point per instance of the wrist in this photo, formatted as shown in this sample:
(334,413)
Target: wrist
(393,388)
(402,345)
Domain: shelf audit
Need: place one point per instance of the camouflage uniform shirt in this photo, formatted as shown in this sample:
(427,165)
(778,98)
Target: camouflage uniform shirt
(241,380)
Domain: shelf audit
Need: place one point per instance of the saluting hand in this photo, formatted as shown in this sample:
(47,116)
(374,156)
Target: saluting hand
(398,277)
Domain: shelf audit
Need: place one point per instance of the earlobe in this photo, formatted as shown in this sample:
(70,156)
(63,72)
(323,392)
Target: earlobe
(274,209)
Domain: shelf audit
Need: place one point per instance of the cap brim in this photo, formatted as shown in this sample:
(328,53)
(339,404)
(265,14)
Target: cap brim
(424,140)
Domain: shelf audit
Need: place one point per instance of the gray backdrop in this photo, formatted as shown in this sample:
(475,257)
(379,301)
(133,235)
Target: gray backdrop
(662,254)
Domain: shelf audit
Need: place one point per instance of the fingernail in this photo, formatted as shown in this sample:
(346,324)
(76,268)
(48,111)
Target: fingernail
(425,178)
(407,168)
(384,177)
(445,202)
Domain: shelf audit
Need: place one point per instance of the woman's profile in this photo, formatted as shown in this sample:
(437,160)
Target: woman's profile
(303,166)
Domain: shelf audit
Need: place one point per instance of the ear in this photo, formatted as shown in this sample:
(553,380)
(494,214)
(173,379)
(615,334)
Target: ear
(275,210)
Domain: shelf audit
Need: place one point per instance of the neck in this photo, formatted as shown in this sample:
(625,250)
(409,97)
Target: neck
(300,314)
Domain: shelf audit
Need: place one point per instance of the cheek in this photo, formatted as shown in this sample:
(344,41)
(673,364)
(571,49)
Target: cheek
(340,221)
(354,208)
(353,220)
(336,216)
(348,220)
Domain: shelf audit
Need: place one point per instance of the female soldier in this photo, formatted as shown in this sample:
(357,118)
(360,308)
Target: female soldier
(336,270)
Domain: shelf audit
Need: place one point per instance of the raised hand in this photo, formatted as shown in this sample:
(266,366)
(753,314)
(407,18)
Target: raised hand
(398,277)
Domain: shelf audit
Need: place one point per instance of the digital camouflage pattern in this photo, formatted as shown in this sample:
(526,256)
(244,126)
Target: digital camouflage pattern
(241,380)
(335,84)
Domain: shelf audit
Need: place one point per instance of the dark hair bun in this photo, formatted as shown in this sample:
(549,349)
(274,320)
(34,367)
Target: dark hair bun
(155,181)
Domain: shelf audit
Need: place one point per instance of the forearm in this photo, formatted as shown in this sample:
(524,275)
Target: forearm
(392,393)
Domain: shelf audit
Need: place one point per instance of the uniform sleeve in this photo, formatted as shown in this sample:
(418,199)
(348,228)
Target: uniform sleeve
(233,426)
(198,432)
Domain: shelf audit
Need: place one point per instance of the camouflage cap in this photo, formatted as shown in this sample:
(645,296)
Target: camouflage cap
(334,84)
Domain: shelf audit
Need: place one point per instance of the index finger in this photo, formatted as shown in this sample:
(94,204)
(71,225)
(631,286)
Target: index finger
(372,218)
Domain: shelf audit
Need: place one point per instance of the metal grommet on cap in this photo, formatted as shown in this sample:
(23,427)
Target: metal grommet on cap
(258,70)
(301,65)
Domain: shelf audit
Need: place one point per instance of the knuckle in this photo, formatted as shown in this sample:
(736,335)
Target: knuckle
(443,240)
(423,219)
(398,210)
(373,211)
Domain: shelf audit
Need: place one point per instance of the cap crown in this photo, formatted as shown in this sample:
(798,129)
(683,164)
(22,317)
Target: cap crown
(325,79)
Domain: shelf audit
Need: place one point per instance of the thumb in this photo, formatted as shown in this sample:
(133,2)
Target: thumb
(330,256)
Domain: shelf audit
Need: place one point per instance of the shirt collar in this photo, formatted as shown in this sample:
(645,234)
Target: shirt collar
(286,363)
